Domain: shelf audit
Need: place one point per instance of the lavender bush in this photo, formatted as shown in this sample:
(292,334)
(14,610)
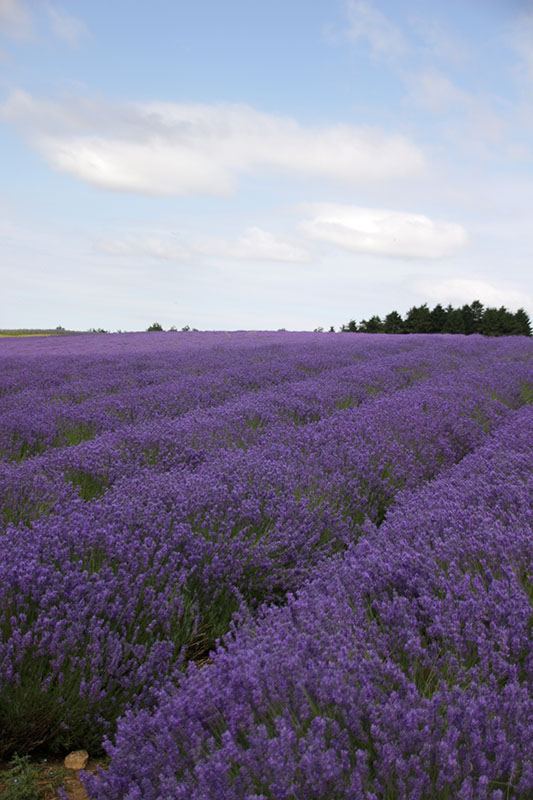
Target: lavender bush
(153,486)
(402,670)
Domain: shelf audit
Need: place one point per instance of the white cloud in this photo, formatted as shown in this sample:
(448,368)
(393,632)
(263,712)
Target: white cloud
(148,167)
(153,246)
(459,291)
(432,38)
(14,17)
(382,231)
(436,92)
(437,40)
(172,148)
(255,244)
(366,22)
(521,40)
(475,118)
(66,27)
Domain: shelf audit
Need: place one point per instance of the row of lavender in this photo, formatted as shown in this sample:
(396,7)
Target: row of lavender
(403,670)
(129,553)
(167,442)
(62,397)
(253,388)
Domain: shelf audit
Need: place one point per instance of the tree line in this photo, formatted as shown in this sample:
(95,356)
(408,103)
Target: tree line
(473,318)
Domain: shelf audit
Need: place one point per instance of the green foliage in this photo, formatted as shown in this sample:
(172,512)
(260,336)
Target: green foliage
(155,326)
(20,780)
(90,486)
(351,327)
(522,323)
(74,434)
(372,325)
(468,319)
(66,435)
(437,319)
(469,322)
(454,322)
(393,323)
(24,780)
(418,319)
(527,393)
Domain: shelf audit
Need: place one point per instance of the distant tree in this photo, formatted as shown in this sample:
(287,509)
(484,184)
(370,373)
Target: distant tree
(469,322)
(477,312)
(437,319)
(351,327)
(173,328)
(454,321)
(393,323)
(493,322)
(186,328)
(418,319)
(372,325)
(507,322)
(488,324)
(155,326)
(523,324)
(332,329)
(319,329)
(60,328)
(468,319)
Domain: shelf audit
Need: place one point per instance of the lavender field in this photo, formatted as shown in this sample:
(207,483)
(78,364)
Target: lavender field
(270,566)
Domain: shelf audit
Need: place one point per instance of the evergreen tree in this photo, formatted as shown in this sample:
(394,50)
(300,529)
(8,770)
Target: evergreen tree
(523,324)
(351,327)
(393,323)
(373,325)
(498,322)
(507,322)
(437,319)
(490,324)
(418,319)
(469,322)
(477,313)
(454,321)
(468,319)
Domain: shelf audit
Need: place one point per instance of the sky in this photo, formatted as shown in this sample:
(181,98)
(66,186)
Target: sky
(262,164)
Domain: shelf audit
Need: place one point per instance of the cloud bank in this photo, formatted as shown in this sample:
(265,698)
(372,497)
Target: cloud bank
(382,231)
(66,27)
(176,148)
(255,244)
(458,291)
(14,18)
(367,22)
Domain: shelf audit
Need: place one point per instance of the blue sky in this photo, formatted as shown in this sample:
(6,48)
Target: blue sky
(261,164)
